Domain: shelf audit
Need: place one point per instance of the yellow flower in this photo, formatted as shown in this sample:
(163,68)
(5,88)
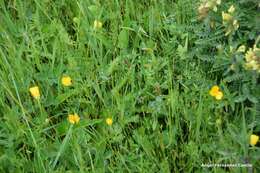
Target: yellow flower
(235,24)
(241,48)
(73,118)
(256,49)
(206,6)
(66,81)
(35,92)
(232,67)
(253,65)
(231,9)
(219,95)
(215,92)
(254,139)
(229,22)
(228,31)
(109,121)
(203,11)
(226,17)
(215,8)
(97,24)
(250,55)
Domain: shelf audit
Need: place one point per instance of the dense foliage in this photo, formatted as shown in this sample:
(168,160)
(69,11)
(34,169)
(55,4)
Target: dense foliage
(129,86)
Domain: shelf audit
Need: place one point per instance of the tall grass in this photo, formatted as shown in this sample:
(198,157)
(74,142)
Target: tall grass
(149,68)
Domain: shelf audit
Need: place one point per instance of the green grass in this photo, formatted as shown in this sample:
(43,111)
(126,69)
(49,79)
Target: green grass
(150,67)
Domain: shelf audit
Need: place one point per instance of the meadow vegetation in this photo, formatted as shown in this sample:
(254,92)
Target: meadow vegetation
(129,86)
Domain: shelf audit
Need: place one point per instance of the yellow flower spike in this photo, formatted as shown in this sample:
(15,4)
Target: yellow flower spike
(203,12)
(232,67)
(255,48)
(97,24)
(253,65)
(231,9)
(207,4)
(215,9)
(226,17)
(254,139)
(35,92)
(66,81)
(228,31)
(73,118)
(109,121)
(250,55)
(235,24)
(241,48)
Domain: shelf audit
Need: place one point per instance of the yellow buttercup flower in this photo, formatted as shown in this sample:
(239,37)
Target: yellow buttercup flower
(73,118)
(216,92)
(97,24)
(35,92)
(219,95)
(66,81)
(231,9)
(254,139)
(109,121)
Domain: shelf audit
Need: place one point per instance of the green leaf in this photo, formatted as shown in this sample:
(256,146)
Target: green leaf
(123,39)
(240,98)
(252,98)
(94,9)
